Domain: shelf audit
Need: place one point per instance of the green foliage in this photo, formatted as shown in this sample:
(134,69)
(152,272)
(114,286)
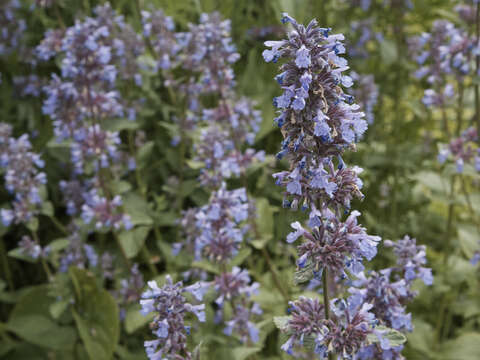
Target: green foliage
(75,314)
(96,316)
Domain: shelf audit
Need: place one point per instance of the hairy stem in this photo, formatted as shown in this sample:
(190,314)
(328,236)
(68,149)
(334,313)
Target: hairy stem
(477,68)
(59,225)
(148,259)
(42,259)
(6,266)
(326,301)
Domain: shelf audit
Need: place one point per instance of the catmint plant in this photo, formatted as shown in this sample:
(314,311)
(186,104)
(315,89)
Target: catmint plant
(23,178)
(96,55)
(462,150)
(169,307)
(319,122)
(365,92)
(12,28)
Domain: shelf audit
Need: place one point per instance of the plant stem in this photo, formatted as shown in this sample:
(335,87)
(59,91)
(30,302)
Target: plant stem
(122,251)
(477,68)
(459,108)
(59,225)
(58,15)
(6,266)
(42,259)
(440,320)
(326,301)
(445,122)
(450,216)
(325,293)
(148,258)
(274,272)
(46,268)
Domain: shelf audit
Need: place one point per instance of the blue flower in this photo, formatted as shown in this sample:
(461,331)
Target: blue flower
(299,231)
(302,59)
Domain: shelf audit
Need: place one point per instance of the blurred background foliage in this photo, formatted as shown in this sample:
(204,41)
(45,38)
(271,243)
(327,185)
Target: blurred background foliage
(407,191)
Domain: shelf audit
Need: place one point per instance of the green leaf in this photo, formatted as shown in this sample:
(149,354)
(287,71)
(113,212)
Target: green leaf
(32,225)
(422,339)
(144,153)
(134,320)
(242,255)
(138,209)
(133,240)
(264,223)
(166,219)
(118,124)
(96,317)
(206,265)
(281,322)
(58,308)
(47,209)
(396,338)
(304,274)
(243,352)
(469,239)
(195,165)
(432,181)
(31,320)
(196,352)
(388,51)
(59,244)
(18,253)
(465,347)
(124,354)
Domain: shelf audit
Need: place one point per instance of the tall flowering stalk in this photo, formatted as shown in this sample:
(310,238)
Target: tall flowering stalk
(23,179)
(319,121)
(217,230)
(97,58)
(170,308)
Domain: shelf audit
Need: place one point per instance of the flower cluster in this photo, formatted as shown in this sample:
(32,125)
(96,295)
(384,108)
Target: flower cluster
(317,118)
(170,307)
(96,54)
(224,123)
(411,259)
(78,253)
(22,176)
(207,50)
(343,334)
(12,28)
(445,52)
(364,28)
(222,160)
(463,150)
(366,4)
(389,290)
(236,287)
(219,225)
(105,212)
(207,53)
(366,93)
(30,85)
(333,244)
(160,30)
(32,249)
(130,289)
